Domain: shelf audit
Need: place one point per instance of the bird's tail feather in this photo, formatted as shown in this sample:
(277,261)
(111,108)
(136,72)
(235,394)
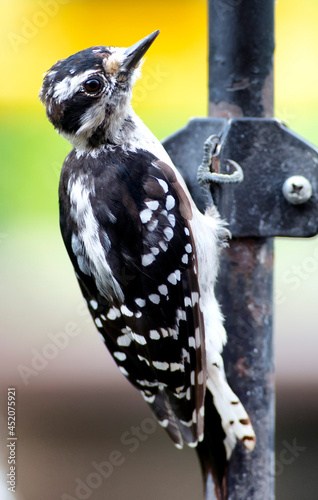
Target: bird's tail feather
(211,453)
(235,421)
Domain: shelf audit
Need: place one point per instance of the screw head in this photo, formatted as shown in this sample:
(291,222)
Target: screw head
(297,189)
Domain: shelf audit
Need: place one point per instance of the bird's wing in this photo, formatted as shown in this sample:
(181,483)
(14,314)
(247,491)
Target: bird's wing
(148,306)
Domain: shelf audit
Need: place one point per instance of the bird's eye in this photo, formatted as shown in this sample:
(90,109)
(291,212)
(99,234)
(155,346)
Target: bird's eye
(93,85)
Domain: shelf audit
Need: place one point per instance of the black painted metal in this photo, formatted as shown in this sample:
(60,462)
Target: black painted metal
(245,292)
(268,153)
(241,46)
(242,85)
(247,303)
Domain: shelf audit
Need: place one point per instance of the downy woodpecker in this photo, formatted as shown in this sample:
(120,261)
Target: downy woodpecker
(145,257)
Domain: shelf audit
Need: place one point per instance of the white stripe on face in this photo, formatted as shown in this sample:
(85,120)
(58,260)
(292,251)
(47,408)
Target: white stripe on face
(66,88)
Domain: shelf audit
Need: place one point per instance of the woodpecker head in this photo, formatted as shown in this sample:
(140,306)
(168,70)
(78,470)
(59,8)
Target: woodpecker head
(87,96)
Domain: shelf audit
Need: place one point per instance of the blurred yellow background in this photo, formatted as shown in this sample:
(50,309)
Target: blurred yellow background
(69,408)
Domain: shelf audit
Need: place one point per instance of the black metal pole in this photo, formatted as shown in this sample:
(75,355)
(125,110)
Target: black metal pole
(241,46)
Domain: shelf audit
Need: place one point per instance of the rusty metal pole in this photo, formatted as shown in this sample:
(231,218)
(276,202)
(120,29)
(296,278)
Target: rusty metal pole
(241,46)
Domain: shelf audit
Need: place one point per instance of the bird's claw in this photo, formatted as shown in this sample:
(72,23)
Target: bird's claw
(211,160)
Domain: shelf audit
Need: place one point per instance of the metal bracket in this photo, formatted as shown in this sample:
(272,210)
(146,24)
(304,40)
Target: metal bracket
(269,155)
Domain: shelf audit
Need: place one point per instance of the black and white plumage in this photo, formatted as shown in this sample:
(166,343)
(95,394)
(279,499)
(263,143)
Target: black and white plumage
(146,259)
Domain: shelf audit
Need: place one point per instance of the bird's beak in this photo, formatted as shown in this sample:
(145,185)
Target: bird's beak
(134,53)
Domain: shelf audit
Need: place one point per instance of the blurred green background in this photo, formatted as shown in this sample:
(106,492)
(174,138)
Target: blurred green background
(74,407)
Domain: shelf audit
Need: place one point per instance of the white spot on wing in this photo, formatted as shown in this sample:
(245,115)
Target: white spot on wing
(192,342)
(121,356)
(185,258)
(173,333)
(172,278)
(170,202)
(164,185)
(176,366)
(160,365)
(153,204)
(98,323)
(125,311)
(140,339)
(113,313)
(163,289)
(172,220)
(154,335)
(147,259)
(154,298)
(140,302)
(163,245)
(93,304)
(123,371)
(145,215)
(124,340)
(164,332)
(168,232)
(181,315)
(187,302)
(188,248)
(126,329)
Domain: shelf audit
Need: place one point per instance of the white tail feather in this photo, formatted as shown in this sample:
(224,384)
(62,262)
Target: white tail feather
(235,420)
